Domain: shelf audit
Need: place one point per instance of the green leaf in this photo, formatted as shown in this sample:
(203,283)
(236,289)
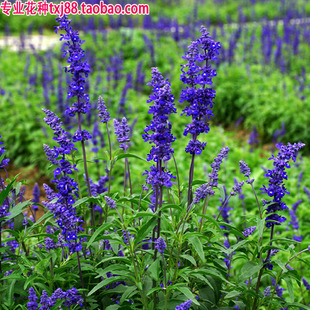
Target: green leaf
(5,193)
(290,287)
(249,269)
(236,246)
(198,182)
(98,231)
(18,222)
(188,294)
(41,219)
(18,209)
(297,305)
(112,307)
(232,294)
(11,292)
(189,258)
(127,293)
(260,227)
(145,230)
(106,282)
(154,270)
(171,206)
(281,265)
(127,155)
(80,201)
(197,245)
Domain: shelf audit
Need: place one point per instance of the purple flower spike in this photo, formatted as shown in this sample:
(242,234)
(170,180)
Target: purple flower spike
(306,284)
(32,304)
(78,67)
(110,202)
(185,306)
(277,175)
(122,132)
(104,114)
(216,166)
(159,131)
(206,189)
(245,170)
(160,245)
(202,192)
(197,78)
(237,188)
(36,196)
(4,161)
(267,291)
(249,231)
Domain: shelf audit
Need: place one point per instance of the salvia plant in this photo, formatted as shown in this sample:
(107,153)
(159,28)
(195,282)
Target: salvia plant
(104,242)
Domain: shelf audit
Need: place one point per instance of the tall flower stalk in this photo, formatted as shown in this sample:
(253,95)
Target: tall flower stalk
(60,203)
(79,69)
(196,75)
(159,133)
(276,191)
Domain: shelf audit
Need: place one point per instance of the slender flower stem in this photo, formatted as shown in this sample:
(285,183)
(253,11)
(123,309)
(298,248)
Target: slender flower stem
(81,277)
(85,169)
(165,280)
(109,137)
(244,214)
(262,269)
(52,272)
(260,211)
(154,229)
(159,214)
(178,177)
(76,176)
(139,207)
(224,205)
(190,180)
(127,170)
(204,212)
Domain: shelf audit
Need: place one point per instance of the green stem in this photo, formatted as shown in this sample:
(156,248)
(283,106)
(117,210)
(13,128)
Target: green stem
(204,212)
(85,170)
(260,211)
(178,178)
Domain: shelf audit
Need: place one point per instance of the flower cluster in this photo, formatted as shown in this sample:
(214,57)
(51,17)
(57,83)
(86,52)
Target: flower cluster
(160,245)
(249,231)
(104,114)
(306,284)
(294,219)
(196,77)
(78,67)
(159,131)
(32,304)
(110,202)
(245,170)
(71,297)
(122,132)
(206,189)
(5,161)
(184,306)
(67,194)
(276,188)
(156,177)
(237,188)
